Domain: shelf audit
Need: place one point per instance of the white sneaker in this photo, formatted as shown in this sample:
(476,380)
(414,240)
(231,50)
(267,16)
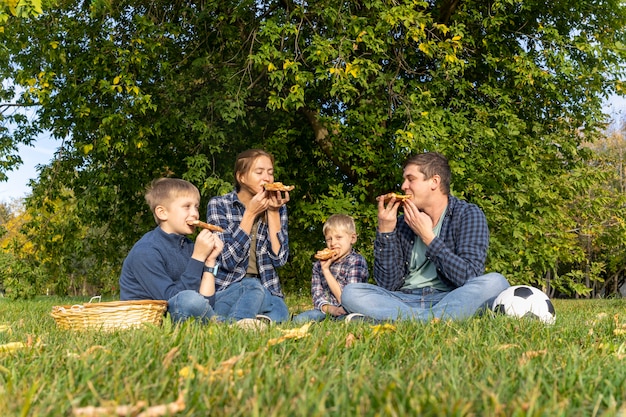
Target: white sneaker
(354,317)
(264,318)
(250,324)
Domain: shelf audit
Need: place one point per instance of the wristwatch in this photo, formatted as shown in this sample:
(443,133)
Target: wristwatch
(212,269)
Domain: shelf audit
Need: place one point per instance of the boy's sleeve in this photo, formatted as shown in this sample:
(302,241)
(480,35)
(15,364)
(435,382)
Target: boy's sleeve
(317,288)
(145,276)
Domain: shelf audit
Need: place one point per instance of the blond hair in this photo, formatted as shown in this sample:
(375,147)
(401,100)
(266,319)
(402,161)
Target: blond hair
(163,191)
(339,221)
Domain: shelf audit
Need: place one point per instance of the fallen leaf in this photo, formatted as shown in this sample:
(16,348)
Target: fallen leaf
(133,410)
(383,328)
(350,340)
(291,334)
(526,356)
(507,346)
(12,347)
(169,357)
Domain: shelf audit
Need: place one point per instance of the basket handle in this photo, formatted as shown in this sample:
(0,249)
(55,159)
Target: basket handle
(98,297)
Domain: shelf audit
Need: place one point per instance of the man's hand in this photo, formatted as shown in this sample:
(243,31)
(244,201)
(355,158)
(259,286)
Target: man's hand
(419,222)
(387,215)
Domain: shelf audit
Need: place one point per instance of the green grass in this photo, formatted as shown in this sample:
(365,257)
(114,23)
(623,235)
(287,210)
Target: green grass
(486,366)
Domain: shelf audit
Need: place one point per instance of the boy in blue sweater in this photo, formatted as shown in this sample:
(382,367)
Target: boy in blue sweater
(165,264)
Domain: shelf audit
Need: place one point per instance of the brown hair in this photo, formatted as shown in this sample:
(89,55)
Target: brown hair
(431,164)
(244,162)
(163,190)
(339,221)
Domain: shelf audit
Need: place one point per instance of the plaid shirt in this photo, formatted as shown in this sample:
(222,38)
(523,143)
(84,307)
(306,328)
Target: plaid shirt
(227,212)
(352,268)
(459,252)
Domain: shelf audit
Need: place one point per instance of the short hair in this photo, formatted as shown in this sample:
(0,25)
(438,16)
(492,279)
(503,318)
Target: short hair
(244,162)
(339,221)
(431,164)
(163,190)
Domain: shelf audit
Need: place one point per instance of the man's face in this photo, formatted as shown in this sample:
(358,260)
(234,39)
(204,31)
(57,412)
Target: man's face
(416,183)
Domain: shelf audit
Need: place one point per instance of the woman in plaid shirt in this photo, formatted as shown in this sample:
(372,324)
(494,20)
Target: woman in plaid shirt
(429,262)
(255,241)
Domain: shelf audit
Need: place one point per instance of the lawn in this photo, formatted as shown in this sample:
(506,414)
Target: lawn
(486,366)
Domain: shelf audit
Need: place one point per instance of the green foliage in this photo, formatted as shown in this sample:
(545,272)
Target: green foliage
(340,92)
(20,279)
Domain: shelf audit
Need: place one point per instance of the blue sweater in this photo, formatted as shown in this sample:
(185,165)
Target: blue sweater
(160,266)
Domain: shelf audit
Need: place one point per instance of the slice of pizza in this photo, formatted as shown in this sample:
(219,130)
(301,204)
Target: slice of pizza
(399,197)
(324,254)
(278,186)
(203,225)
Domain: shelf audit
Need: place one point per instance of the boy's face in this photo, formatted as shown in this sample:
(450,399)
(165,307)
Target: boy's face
(340,240)
(175,214)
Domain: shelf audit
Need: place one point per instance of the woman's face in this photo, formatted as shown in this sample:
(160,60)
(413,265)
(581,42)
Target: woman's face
(260,173)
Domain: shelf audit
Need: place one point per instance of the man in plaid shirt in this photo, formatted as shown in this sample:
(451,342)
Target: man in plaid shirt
(429,262)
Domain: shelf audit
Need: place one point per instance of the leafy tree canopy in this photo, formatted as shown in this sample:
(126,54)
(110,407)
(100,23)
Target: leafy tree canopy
(340,92)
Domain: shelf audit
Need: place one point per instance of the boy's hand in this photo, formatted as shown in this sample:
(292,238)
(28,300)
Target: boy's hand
(335,310)
(328,262)
(217,249)
(205,245)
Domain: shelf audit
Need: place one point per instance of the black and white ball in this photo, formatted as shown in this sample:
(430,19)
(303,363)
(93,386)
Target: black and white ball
(525,301)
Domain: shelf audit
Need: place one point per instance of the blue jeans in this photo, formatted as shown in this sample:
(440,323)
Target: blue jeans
(315,315)
(187,304)
(424,303)
(274,307)
(240,300)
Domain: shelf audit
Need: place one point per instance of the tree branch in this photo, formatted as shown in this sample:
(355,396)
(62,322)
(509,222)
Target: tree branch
(446,10)
(323,140)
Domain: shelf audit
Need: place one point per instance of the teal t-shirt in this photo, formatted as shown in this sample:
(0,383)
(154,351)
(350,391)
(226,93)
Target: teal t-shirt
(422,272)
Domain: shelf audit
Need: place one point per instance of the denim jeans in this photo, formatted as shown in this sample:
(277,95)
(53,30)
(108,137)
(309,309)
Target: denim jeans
(240,300)
(425,303)
(187,304)
(310,315)
(315,315)
(274,307)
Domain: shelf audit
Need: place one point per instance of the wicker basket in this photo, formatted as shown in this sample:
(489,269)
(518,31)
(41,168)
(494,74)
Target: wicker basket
(113,315)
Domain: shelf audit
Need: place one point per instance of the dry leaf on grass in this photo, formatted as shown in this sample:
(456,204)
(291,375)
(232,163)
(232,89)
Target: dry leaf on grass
(383,328)
(507,346)
(137,410)
(224,368)
(526,356)
(12,347)
(298,333)
(350,340)
(169,357)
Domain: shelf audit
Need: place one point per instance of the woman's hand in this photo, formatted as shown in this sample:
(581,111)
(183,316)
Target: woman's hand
(277,199)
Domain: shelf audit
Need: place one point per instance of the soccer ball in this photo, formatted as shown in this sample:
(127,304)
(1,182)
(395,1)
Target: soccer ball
(525,301)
